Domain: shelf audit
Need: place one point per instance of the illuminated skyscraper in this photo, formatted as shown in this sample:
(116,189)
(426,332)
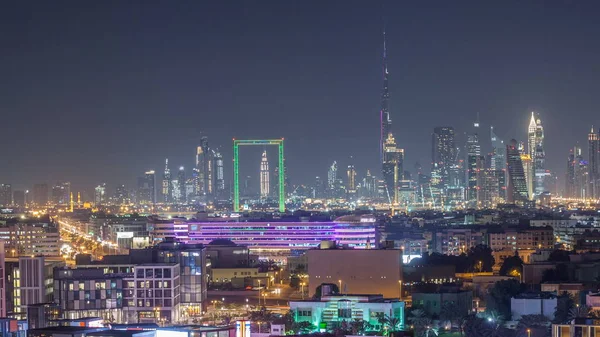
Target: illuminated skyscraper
(393,168)
(219,175)
(351,181)
(205,169)
(443,154)
(61,193)
(40,194)
(6,195)
(473,155)
(498,162)
(594,163)
(121,195)
(384,113)
(147,188)
(167,186)
(516,191)
(265,184)
(538,174)
(331,179)
(577,179)
(100,195)
(181,185)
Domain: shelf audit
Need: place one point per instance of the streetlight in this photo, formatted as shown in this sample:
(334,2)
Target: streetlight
(302,289)
(400,285)
(340,282)
(528,332)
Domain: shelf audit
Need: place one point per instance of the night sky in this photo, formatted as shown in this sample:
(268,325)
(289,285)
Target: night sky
(100,91)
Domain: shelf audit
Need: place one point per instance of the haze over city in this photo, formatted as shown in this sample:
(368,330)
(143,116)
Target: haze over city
(100,93)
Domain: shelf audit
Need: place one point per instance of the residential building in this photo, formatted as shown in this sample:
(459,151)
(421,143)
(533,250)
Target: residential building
(533,304)
(432,303)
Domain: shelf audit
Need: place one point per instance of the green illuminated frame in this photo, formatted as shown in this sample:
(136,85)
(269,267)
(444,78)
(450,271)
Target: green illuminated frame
(236,169)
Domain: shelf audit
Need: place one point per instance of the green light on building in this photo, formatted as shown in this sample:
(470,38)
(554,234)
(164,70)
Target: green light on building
(236,169)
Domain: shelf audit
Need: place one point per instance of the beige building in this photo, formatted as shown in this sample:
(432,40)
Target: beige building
(357,271)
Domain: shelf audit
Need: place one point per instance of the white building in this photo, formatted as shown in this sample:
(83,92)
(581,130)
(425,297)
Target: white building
(535,304)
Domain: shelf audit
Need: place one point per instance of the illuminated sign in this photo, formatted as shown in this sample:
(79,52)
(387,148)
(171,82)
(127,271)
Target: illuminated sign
(124,235)
(171,333)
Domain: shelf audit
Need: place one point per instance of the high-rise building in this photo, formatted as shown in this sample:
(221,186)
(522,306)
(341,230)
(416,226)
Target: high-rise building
(205,169)
(147,188)
(19,198)
(516,190)
(538,174)
(121,195)
(594,163)
(384,113)
(351,181)
(331,179)
(498,162)
(100,195)
(577,182)
(167,186)
(443,154)
(2,280)
(319,188)
(219,176)
(570,175)
(181,185)
(265,183)
(61,193)
(40,194)
(393,168)
(473,154)
(6,195)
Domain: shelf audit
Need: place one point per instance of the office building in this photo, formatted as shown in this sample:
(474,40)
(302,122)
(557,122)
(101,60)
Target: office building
(594,163)
(6,195)
(167,186)
(498,162)
(219,176)
(30,236)
(538,156)
(40,194)
(205,169)
(121,195)
(371,271)
(181,185)
(521,238)
(19,198)
(100,195)
(384,112)
(516,189)
(61,193)
(331,180)
(393,168)
(443,154)
(2,280)
(265,183)
(351,182)
(473,156)
(147,188)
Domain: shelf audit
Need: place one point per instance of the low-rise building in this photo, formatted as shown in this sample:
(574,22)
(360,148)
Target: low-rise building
(331,310)
(533,304)
(579,327)
(432,303)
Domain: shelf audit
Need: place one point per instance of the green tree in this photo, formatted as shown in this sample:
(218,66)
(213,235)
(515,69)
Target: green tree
(499,296)
(480,258)
(512,265)
(564,304)
(419,322)
(359,326)
(389,323)
(450,313)
(302,327)
(581,311)
(560,273)
(559,255)
(533,322)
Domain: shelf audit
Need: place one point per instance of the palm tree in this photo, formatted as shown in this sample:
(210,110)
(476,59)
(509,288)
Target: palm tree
(390,322)
(419,321)
(529,322)
(580,311)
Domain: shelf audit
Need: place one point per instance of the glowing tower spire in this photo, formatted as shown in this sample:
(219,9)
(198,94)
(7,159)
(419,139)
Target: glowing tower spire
(386,121)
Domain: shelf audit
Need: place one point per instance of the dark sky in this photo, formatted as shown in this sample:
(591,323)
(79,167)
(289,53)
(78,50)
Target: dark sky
(100,91)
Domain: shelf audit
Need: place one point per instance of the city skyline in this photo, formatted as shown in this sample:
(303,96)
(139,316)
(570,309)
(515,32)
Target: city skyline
(76,122)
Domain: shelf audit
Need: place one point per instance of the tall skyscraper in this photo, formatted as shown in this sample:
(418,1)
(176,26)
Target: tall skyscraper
(351,181)
(535,136)
(443,154)
(473,154)
(384,113)
(265,184)
(331,179)
(577,182)
(40,194)
(19,198)
(594,163)
(100,195)
(61,193)
(219,176)
(121,195)
(516,191)
(147,188)
(167,186)
(181,185)
(393,168)
(498,162)
(6,195)
(205,168)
